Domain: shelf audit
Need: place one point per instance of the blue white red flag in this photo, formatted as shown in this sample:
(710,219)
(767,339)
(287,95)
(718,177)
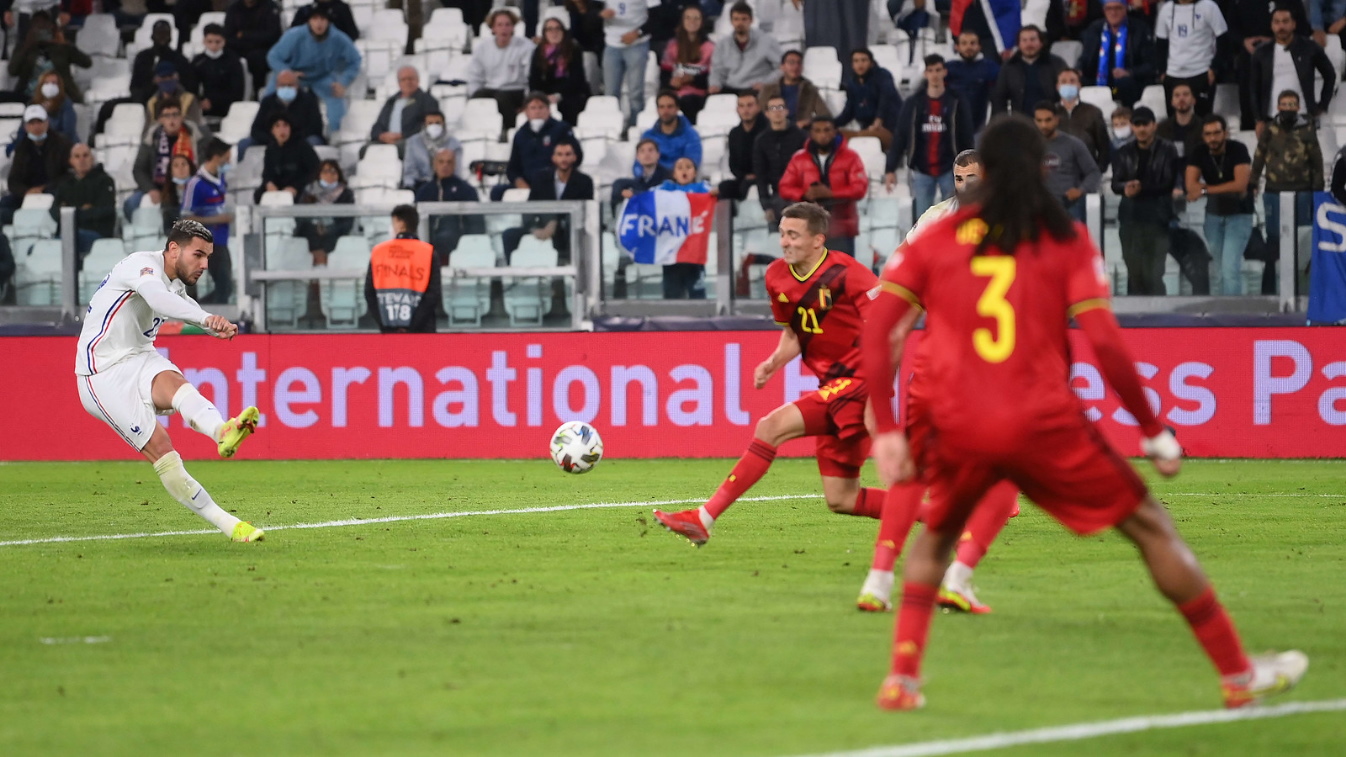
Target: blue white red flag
(1327,271)
(1003,16)
(662,227)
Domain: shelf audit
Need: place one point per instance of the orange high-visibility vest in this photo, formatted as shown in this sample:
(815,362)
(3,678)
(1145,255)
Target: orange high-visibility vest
(401,271)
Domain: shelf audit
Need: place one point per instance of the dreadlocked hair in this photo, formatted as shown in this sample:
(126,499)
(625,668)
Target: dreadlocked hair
(1015,202)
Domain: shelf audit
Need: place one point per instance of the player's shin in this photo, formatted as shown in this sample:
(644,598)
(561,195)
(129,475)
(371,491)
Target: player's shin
(748,471)
(192,495)
(920,588)
(200,412)
(900,507)
(985,524)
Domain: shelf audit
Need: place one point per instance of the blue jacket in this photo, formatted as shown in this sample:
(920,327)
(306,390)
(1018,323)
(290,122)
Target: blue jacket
(684,142)
(299,51)
(696,187)
(532,150)
(875,97)
(972,82)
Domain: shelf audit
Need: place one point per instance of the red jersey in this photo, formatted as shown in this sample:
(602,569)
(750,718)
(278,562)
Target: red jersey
(995,343)
(825,307)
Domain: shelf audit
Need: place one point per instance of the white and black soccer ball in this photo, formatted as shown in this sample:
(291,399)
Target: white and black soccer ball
(576,447)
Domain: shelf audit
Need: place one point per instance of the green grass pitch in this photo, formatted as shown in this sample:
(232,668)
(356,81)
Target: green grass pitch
(593,632)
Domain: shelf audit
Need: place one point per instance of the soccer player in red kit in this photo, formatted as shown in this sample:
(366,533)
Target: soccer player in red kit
(820,299)
(999,281)
(902,506)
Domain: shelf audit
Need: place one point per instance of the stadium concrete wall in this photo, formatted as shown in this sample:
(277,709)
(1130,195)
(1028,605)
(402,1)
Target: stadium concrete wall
(1268,392)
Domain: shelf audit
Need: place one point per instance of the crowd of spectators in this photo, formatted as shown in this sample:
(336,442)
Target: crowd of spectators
(786,145)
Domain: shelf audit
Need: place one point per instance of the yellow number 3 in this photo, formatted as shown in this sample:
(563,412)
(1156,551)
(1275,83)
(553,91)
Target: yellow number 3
(995,347)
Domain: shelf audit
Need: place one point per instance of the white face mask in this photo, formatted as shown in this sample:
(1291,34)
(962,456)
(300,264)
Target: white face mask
(1121,132)
(434,131)
(536,123)
(50,90)
(213,54)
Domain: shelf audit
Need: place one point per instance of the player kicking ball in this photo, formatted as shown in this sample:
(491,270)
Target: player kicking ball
(125,383)
(820,299)
(1000,280)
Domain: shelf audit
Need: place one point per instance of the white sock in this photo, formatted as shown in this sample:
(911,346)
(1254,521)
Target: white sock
(880,583)
(707,519)
(192,495)
(958,577)
(200,412)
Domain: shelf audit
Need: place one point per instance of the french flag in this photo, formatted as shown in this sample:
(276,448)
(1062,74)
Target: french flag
(1002,16)
(663,227)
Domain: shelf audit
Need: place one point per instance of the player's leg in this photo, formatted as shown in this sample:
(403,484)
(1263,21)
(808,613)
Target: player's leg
(1179,577)
(901,506)
(185,489)
(781,425)
(170,390)
(984,525)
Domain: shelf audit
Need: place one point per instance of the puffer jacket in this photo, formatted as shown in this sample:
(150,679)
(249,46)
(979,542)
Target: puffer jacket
(845,176)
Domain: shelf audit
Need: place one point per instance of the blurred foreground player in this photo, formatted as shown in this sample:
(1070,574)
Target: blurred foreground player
(820,299)
(901,508)
(999,280)
(125,383)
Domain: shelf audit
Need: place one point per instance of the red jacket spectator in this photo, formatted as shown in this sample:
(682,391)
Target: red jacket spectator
(845,177)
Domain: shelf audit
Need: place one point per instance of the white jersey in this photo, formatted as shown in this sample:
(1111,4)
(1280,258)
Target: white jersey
(932,214)
(125,314)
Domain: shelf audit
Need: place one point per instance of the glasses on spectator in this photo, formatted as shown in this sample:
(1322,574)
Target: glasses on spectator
(776,107)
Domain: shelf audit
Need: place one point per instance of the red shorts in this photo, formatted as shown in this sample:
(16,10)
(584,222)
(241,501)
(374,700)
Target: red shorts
(835,415)
(1068,469)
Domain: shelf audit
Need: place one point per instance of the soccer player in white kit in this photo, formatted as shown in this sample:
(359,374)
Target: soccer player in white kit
(125,383)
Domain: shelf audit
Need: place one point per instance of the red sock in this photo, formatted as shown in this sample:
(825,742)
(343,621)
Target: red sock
(869,503)
(900,506)
(992,512)
(913,628)
(748,471)
(1215,631)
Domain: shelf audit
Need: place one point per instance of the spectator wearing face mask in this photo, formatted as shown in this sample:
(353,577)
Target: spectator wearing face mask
(60,112)
(219,72)
(418,166)
(168,86)
(1121,126)
(531,153)
(297,102)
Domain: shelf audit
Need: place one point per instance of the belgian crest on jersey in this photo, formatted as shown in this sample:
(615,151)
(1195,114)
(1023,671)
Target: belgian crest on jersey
(824,298)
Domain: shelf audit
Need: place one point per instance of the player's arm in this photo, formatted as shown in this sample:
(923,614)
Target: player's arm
(787,349)
(169,305)
(1105,336)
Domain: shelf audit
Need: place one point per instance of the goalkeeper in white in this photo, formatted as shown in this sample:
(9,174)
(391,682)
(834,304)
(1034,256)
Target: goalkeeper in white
(125,383)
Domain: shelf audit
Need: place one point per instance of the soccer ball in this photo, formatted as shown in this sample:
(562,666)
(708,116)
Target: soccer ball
(576,447)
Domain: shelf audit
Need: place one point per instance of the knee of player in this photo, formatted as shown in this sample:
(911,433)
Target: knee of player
(768,429)
(841,504)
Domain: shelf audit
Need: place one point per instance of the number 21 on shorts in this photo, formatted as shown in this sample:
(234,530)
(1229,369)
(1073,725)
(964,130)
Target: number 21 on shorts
(997,346)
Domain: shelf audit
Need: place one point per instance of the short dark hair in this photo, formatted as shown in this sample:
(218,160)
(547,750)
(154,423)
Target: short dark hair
(745,92)
(183,232)
(1190,91)
(434,112)
(967,158)
(934,59)
(536,96)
(277,118)
(1121,111)
(318,10)
(1045,105)
(215,29)
(741,7)
(815,216)
(336,166)
(214,148)
(1070,70)
(490,20)
(1215,118)
(408,215)
(788,53)
(1288,93)
(1029,28)
(1284,6)
(164,105)
(669,94)
(822,120)
(866,51)
(648,141)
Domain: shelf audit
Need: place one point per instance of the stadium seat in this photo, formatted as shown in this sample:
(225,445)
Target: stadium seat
(276,227)
(1068,50)
(342,300)
(871,152)
(41,201)
(104,254)
(1101,97)
(387,24)
(237,122)
(37,277)
(480,120)
(446,30)
(126,126)
(377,56)
(145,230)
(467,299)
(527,299)
(380,167)
(100,35)
(286,301)
(1153,98)
(141,40)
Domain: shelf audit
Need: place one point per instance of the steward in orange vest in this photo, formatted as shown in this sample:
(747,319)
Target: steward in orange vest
(402,284)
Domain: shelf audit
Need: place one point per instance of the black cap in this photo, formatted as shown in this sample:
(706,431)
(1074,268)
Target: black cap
(1142,115)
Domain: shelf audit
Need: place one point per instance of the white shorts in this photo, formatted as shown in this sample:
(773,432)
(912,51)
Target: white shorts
(120,396)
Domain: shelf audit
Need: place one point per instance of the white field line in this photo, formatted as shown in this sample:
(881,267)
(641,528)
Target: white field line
(1080,731)
(397,519)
